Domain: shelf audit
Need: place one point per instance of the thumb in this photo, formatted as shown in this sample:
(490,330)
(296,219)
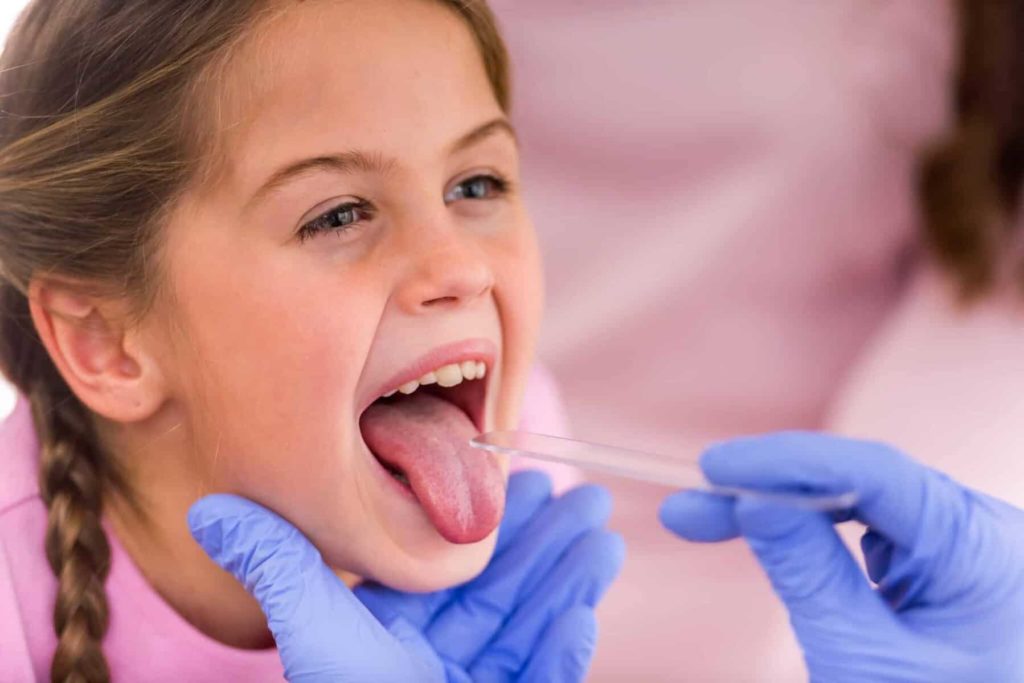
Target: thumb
(318,624)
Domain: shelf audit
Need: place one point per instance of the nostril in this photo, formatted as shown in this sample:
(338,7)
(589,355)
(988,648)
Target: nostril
(441,300)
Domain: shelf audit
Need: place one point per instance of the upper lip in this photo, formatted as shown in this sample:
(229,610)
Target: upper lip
(468,349)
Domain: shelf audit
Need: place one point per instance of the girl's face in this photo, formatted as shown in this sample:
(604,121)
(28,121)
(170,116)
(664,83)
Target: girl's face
(366,231)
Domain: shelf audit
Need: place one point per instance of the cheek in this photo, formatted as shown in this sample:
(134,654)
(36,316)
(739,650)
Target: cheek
(519,294)
(518,273)
(274,362)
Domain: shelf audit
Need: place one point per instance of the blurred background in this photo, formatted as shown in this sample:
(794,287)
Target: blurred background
(8,13)
(731,199)
(760,216)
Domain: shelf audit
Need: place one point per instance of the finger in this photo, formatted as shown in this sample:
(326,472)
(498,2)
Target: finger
(388,604)
(565,651)
(912,506)
(896,496)
(801,553)
(699,516)
(845,628)
(296,590)
(464,626)
(528,492)
(581,577)
(878,552)
(812,571)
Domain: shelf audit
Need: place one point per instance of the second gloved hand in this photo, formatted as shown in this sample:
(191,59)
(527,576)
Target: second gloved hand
(947,562)
(528,616)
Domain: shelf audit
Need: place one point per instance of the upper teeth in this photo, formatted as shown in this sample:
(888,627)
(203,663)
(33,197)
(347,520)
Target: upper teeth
(446,376)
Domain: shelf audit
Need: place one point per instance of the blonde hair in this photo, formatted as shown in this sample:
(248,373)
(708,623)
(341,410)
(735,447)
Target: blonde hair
(96,143)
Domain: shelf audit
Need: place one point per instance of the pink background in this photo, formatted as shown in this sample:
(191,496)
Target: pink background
(724,192)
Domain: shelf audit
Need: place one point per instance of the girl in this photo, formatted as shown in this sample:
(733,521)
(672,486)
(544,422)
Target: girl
(272,248)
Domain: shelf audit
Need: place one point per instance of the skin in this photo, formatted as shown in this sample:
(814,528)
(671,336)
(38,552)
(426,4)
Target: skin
(248,374)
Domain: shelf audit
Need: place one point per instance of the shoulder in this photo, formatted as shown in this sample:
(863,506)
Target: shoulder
(26,584)
(945,384)
(16,662)
(19,457)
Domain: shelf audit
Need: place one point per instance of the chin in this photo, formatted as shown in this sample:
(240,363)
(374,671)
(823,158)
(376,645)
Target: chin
(444,567)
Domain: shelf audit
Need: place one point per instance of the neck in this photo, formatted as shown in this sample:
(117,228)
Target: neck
(196,588)
(164,478)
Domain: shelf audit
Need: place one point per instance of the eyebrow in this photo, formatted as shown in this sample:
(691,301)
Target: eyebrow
(359,161)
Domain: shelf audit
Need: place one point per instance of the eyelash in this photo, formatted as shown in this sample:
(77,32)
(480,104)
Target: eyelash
(330,221)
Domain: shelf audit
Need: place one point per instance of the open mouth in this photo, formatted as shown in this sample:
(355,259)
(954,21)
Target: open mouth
(463,385)
(419,432)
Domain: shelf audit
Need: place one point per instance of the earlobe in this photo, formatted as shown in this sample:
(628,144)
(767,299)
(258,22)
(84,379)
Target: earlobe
(88,340)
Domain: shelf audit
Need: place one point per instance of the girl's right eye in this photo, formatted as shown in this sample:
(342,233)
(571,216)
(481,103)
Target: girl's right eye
(337,220)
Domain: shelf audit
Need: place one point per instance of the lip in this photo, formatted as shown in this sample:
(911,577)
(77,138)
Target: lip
(468,349)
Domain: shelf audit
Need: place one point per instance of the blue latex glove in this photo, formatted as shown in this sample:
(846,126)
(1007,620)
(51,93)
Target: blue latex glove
(947,562)
(528,616)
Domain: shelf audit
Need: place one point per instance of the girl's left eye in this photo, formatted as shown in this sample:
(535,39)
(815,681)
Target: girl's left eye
(478,187)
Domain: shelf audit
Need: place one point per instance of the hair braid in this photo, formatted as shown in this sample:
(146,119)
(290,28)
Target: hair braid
(76,544)
(72,476)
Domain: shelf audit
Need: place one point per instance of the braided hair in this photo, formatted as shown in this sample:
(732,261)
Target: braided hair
(92,146)
(72,472)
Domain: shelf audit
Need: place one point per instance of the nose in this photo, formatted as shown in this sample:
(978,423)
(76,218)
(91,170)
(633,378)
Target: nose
(447,270)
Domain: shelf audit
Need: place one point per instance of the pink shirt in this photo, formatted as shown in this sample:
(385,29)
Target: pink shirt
(147,640)
(946,384)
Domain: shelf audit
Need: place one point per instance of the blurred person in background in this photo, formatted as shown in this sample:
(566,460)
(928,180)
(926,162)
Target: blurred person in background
(762,216)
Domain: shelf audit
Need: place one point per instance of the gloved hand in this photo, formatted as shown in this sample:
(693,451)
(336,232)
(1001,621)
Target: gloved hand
(528,616)
(948,562)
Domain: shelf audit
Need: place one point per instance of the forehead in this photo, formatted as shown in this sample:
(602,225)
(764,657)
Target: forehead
(401,78)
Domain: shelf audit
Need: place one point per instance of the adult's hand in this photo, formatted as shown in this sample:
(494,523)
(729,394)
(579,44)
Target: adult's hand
(945,601)
(529,616)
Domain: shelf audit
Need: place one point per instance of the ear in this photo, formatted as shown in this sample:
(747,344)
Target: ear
(103,362)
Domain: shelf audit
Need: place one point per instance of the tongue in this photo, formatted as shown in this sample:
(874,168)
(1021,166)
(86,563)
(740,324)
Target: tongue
(461,489)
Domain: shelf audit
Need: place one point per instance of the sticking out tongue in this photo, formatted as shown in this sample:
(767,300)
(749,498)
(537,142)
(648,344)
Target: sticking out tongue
(461,488)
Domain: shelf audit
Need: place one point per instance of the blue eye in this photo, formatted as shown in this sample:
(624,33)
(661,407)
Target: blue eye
(337,220)
(478,187)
